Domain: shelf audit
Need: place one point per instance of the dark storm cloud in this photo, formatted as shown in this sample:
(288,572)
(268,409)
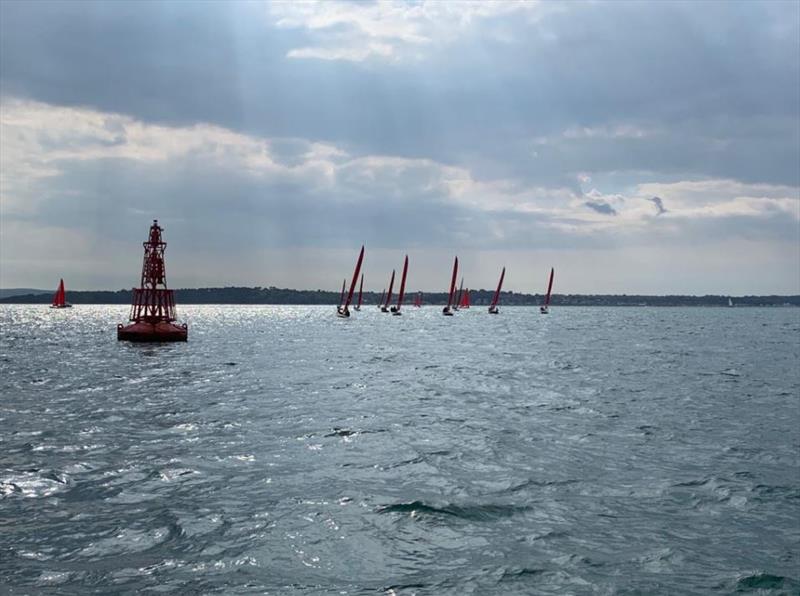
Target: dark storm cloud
(719,82)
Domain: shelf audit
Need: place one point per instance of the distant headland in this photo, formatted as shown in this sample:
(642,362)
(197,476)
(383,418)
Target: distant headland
(273,295)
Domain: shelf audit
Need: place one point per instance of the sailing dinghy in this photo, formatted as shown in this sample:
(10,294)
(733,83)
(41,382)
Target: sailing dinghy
(447,310)
(360,292)
(418,300)
(341,295)
(396,309)
(457,301)
(344,309)
(493,310)
(60,297)
(385,306)
(544,308)
(464,303)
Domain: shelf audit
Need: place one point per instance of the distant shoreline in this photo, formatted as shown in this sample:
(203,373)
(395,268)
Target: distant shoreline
(282,296)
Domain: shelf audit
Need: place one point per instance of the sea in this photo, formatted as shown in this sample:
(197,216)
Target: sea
(282,450)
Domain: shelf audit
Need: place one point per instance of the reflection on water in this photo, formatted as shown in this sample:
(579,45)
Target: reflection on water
(285,450)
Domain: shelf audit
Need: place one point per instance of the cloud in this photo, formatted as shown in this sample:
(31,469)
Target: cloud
(288,128)
(385,29)
(601,207)
(534,92)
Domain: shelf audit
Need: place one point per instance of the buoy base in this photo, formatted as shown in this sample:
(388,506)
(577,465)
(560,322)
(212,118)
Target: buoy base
(152,332)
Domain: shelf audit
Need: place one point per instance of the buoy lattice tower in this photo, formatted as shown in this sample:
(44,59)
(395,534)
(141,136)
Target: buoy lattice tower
(153,307)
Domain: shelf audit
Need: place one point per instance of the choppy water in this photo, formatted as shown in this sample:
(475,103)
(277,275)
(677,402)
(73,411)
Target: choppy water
(284,451)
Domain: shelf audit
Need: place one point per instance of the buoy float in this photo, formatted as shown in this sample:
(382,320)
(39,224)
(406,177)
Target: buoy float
(153,308)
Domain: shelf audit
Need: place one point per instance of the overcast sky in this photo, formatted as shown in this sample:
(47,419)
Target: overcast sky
(636,147)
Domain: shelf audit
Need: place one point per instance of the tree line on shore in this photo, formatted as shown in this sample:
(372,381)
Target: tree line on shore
(273,295)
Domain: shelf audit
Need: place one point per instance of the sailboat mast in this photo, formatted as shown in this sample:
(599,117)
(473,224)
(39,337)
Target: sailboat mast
(355,277)
(402,284)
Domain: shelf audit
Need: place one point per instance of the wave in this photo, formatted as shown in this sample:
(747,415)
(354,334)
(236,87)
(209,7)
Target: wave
(766,581)
(484,512)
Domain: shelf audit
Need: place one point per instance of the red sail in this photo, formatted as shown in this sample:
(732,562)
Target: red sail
(496,297)
(360,290)
(389,294)
(549,288)
(418,300)
(402,285)
(355,277)
(59,298)
(464,299)
(457,302)
(453,283)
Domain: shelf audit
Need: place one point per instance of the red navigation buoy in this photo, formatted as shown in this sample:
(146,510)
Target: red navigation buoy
(153,307)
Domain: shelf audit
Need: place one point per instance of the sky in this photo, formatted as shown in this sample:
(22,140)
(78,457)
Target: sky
(639,148)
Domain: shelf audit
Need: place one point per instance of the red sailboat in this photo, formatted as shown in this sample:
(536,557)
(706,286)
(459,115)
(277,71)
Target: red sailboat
(60,297)
(153,308)
(447,310)
(341,295)
(344,309)
(544,308)
(418,300)
(457,301)
(360,292)
(385,305)
(493,310)
(464,299)
(396,309)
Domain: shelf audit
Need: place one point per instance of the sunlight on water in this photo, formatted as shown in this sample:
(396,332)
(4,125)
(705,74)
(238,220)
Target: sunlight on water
(282,449)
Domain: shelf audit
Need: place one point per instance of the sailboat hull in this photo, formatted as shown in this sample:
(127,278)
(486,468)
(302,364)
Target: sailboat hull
(493,310)
(60,306)
(544,310)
